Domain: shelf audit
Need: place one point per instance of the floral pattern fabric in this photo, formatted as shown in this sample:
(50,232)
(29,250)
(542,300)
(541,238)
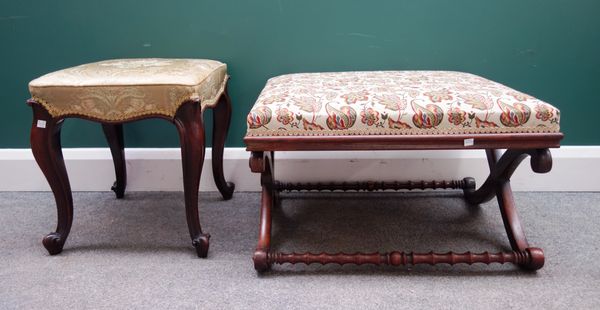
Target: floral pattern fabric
(395,103)
(124,89)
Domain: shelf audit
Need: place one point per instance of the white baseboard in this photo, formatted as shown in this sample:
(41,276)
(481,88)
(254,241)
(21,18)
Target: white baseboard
(576,168)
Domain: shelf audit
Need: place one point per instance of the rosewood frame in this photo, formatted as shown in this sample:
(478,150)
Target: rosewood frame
(47,150)
(502,166)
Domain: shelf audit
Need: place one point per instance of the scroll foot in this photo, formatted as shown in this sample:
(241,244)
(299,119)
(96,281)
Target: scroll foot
(201,244)
(54,243)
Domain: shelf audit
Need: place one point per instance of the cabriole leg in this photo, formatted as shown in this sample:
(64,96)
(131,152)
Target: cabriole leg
(114,137)
(188,121)
(46,148)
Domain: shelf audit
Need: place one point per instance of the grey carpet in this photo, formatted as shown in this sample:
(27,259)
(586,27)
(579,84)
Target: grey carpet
(135,253)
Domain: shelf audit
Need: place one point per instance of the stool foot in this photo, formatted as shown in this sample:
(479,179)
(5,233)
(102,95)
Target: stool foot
(535,261)
(119,190)
(227,190)
(201,244)
(54,243)
(261,261)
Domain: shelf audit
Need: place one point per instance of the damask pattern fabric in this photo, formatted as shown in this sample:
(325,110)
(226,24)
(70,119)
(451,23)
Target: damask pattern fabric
(123,89)
(395,103)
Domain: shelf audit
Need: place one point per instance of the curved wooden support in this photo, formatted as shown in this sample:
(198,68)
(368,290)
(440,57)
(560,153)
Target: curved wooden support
(222,119)
(274,192)
(114,136)
(262,162)
(46,148)
(510,217)
(498,184)
(502,168)
(261,263)
(530,258)
(188,121)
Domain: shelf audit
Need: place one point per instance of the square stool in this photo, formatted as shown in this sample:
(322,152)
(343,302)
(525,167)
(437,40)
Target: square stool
(401,110)
(114,92)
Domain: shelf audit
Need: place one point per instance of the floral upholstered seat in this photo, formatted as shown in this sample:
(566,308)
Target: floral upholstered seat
(395,111)
(395,103)
(125,89)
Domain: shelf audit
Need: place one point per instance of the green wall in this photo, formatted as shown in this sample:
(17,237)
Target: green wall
(548,48)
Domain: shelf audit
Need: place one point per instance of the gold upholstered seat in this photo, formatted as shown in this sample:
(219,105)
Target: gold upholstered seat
(395,103)
(125,89)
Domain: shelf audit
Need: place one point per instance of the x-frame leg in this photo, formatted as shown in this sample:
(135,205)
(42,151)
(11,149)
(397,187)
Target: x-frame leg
(502,166)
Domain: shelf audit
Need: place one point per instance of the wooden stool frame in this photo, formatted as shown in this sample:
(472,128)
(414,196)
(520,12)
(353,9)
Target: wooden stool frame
(47,150)
(502,166)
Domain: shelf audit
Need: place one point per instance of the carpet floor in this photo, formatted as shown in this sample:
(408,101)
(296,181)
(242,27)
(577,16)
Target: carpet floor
(136,252)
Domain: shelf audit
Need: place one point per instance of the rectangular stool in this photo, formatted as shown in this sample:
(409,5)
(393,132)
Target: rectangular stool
(118,91)
(401,110)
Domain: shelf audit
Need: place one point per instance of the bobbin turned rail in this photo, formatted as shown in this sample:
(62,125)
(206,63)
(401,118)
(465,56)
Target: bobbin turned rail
(372,186)
(531,258)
